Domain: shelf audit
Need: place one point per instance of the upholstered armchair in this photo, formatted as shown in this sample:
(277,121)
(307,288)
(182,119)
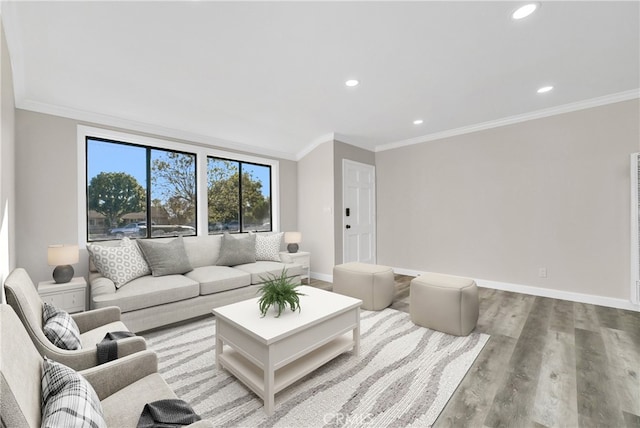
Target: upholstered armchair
(23,297)
(122,386)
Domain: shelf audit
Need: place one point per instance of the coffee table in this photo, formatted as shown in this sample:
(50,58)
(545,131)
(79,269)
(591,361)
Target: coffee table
(268,354)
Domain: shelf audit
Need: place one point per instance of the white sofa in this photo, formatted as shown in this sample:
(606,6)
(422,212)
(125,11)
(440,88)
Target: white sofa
(149,302)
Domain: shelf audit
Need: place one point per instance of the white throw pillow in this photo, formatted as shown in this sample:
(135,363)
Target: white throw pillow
(268,246)
(120,264)
(60,328)
(68,399)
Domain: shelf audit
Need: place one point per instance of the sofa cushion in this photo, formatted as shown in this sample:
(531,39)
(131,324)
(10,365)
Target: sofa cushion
(268,246)
(120,263)
(263,269)
(214,279)
(68,399)
(149,291)
(166,258)
(237,249)
(60,328)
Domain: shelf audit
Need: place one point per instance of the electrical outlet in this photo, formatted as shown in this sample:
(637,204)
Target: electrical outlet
(542,272)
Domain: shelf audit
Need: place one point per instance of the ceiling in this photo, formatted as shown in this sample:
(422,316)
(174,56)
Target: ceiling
(268,77)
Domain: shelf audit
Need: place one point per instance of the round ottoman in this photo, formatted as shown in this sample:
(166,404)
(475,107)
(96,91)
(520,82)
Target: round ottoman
(444,302)
(373,284)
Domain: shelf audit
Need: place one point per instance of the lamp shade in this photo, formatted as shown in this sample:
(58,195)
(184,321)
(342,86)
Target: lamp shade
(62,255)
(292,237)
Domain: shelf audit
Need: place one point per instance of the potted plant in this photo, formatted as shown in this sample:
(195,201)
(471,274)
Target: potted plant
(280,292)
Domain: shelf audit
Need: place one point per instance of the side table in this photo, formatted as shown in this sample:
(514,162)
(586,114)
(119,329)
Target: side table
(302,258)
(70,296)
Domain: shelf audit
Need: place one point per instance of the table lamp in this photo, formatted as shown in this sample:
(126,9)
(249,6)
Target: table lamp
(293,239)
(62,257)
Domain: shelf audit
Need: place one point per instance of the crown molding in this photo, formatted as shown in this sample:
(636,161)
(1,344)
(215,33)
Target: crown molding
(315,143)
(553,111)
(132,125)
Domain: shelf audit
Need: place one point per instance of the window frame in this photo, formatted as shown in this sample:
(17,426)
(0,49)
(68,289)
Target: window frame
(148,174)
(201,152)
(240,210)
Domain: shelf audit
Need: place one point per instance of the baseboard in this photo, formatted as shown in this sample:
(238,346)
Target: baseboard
(322,277)
(544,292)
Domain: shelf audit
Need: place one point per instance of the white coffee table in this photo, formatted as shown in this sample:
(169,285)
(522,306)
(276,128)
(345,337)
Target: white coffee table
(268,354)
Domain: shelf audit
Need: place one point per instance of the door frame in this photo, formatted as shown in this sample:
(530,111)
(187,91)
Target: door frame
(374,250)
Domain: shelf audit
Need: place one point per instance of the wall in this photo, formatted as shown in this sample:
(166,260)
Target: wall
(501,203)
(315,208)
(46,177)
(344,151)
(7,169)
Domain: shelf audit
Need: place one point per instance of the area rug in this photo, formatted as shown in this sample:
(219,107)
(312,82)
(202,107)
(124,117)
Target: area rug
(404,376)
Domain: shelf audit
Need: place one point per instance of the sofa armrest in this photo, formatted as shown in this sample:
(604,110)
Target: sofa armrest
(96,318)
(111,377)
(100,286)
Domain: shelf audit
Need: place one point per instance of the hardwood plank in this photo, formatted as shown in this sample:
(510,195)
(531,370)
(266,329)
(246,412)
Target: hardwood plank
(506,314)
(562,318)
(624,365)
(597,397)
(585,317)
(608,317)
(555,401)
(472,400)
(630,323)
(513,402)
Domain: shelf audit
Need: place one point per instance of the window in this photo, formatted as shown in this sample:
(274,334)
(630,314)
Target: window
(239,196)
(131,187)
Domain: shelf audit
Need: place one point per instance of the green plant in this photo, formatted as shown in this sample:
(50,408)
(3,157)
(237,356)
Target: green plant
(280,292)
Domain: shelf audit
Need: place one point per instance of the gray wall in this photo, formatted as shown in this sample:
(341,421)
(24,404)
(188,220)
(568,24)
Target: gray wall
(46,180)
(315,208)
(344,151)
(7,165)
(501,203)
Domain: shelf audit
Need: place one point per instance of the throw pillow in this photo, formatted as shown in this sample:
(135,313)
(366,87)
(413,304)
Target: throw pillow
(60,328)
(166,258)
(68,399)
(268,246)
(237,249)
(120,264)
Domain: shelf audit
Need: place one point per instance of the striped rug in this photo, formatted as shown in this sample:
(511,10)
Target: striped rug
(404,376)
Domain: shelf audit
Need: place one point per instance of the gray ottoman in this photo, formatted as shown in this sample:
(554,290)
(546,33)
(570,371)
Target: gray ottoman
(444,302)
(373,284)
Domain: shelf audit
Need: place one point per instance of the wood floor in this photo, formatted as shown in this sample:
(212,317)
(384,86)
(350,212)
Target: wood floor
(549,363)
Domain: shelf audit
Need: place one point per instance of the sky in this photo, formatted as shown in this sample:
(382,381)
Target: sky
(110,157)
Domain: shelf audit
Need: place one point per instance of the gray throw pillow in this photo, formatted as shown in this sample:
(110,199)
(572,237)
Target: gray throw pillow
(237,249)
(168,258)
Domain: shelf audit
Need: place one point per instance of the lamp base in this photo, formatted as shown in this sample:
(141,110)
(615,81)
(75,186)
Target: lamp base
(63,274)
(292,248)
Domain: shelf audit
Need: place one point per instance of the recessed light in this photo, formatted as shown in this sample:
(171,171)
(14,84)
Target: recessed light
(351,82)
(524,11)
(545,89)
(418,122)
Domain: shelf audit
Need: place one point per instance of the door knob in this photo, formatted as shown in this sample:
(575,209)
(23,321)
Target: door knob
(348,226)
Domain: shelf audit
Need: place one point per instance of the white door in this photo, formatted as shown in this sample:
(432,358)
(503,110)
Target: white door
(359,212)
